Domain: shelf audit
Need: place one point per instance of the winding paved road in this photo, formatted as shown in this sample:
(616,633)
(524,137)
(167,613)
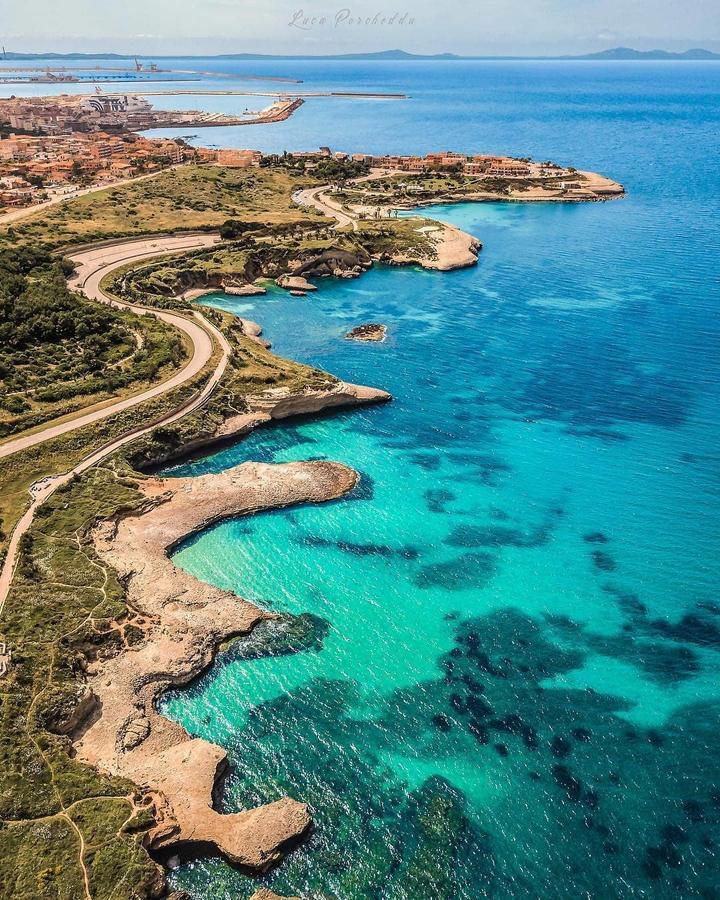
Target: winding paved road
(92,266)
(316,197)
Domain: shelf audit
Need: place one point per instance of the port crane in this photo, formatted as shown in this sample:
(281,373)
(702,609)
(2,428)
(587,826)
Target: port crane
(139,67)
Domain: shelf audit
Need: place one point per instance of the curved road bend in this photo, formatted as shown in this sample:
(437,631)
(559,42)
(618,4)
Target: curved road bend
(93,265)
(316,197)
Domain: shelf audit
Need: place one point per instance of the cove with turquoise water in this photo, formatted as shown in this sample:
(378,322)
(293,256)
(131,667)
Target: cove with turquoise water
(505,677)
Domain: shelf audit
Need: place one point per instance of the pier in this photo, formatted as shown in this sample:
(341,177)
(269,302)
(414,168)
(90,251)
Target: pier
(357,95)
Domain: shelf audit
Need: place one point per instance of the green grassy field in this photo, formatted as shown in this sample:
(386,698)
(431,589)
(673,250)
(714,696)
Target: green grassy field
(186,198)
(61,823)
(416,188)
(43,381)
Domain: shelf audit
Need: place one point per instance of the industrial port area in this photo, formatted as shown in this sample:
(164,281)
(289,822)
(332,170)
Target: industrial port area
(68,113)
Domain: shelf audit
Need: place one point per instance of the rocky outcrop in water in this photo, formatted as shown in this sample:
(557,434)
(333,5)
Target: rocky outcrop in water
(295,283)
(371,331)
(244,290)
(266,894)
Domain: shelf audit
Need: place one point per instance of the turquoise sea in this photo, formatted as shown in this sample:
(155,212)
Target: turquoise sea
(505,677)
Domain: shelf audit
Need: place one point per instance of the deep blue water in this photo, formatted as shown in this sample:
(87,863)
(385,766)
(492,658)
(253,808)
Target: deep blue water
(508,685)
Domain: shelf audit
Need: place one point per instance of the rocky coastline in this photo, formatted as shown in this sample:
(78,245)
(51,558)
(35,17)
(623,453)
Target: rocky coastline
(445,247)
(273,404)
(184,621)
(115,725)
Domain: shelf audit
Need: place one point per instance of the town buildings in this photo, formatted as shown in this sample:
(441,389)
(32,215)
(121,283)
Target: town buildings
(236,159)
(32,165)
(448,161)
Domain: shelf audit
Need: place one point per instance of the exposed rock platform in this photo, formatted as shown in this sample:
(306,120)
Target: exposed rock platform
(185,621)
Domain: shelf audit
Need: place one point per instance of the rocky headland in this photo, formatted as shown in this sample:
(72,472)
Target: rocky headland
(271,404)
(183,622)
(454,249)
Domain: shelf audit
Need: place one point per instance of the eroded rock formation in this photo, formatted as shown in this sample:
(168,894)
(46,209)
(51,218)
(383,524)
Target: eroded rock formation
(186,620)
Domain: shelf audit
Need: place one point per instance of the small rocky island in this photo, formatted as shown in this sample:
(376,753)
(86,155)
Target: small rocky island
(370,331)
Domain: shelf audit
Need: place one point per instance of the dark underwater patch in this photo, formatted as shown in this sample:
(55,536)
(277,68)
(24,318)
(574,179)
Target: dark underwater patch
(364,489)
(692,629)
(664,664)
(562,623)
(606,800)
(471,570)
(437,499)
(485,467)
(597,385)
(603,561)
(709,606)
(630,604)
(565,779)
(439,833)
(312,540)
(281,636)
(595,537)
(499,514)
(560,746)
(241,527)
(486,460)
(496,536)
(430,462)
(442,722)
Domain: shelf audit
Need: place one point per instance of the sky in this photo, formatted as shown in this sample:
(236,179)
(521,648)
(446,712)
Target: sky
(473,27)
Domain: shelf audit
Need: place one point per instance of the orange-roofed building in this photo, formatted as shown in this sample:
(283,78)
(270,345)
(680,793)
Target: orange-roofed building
(238,159)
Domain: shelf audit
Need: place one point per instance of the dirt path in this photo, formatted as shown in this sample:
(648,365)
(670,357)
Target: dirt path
(317,197)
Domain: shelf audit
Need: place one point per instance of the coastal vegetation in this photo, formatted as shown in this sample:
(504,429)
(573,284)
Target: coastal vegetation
(401,188)
(67,610)
(267,252)
(322,168)
(44,366)
(408,189)
(64,610)
(252,371)
(60,351)
(186,198)
(66,831)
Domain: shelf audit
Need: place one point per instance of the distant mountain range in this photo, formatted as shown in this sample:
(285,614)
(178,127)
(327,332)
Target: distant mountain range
(629,53)
(616,53)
